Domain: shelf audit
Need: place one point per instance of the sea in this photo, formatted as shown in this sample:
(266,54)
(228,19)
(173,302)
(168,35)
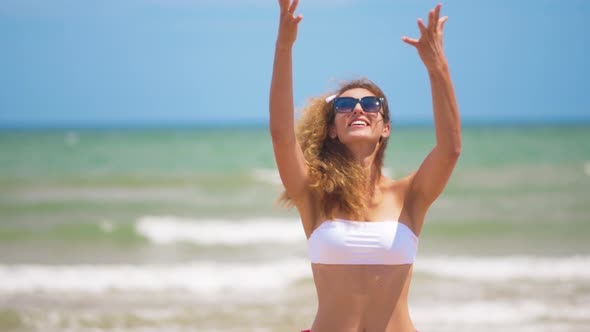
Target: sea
(137,230)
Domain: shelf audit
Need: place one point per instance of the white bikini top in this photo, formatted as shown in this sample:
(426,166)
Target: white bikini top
(343,241)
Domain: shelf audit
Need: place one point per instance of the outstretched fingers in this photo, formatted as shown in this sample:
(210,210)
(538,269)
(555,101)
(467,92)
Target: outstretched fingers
(441,23)
(293,6)
(422,27)
(437,15)
(434,18)
(423,31)
(435,25)
(297,19)
(292,9)
(430,43)
(431,20)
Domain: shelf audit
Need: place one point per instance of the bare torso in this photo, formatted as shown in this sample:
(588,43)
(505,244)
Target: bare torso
(362,298)
(367,298)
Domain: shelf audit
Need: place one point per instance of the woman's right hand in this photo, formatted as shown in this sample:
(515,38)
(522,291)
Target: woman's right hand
(288,23)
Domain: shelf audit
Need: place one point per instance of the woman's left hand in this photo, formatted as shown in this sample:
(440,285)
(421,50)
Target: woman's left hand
(430,44)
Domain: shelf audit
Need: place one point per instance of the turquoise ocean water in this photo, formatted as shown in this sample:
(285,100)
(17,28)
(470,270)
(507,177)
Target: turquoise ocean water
(178,230)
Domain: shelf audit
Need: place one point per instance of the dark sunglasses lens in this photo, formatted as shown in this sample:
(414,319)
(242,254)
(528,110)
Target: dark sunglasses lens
(371,104)
(344,104)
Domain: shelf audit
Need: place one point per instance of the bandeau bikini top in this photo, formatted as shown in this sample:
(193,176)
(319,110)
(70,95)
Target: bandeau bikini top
(343,241)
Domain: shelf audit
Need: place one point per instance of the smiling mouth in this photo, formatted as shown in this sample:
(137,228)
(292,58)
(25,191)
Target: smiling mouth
(358,123)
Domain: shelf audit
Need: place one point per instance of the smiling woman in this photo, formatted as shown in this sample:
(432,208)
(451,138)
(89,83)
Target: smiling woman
(325,128)
(362,227)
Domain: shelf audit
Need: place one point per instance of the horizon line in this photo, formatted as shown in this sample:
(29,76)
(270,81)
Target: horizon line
(259,124)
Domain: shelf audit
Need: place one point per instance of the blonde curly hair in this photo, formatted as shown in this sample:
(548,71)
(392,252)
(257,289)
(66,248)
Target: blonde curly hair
(335,176)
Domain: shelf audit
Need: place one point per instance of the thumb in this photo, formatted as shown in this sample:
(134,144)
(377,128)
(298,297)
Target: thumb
(410,41)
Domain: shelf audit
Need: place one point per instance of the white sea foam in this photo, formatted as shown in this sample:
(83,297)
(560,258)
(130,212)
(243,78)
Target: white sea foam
(197,277)
(495,313)
(267,175)
(209,277)
(388,172)
(479,312)
(167,230)
(503,268)
(106,226)
(485,316)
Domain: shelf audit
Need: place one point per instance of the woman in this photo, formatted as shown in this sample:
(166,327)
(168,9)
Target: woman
(362,227)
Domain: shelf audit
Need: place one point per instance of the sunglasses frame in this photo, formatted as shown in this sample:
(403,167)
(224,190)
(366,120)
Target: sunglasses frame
(358,100)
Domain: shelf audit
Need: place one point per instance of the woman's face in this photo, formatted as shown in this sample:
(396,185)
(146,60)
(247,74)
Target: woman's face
(358,125)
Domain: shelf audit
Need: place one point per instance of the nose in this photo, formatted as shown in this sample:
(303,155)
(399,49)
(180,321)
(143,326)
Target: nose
(358,109)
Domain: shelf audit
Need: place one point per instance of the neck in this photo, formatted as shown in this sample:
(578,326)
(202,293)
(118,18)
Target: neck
(365,154)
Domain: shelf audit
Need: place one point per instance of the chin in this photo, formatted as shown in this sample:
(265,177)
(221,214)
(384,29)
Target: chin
(358,137)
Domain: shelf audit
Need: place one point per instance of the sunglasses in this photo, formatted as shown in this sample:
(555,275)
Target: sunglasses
(369,104)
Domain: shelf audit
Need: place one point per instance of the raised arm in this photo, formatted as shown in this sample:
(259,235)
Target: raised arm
(433,174)
(288,155)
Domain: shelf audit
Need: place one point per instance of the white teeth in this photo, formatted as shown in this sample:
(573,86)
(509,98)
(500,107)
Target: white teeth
(358,122)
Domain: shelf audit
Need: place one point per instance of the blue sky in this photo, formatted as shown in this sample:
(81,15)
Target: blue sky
(208,62)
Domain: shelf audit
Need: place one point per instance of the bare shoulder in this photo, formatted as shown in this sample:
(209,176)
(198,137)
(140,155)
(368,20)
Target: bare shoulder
(399,187)
(402,198)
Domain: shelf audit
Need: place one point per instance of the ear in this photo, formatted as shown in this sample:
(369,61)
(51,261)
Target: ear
(332,132)
(386,130)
